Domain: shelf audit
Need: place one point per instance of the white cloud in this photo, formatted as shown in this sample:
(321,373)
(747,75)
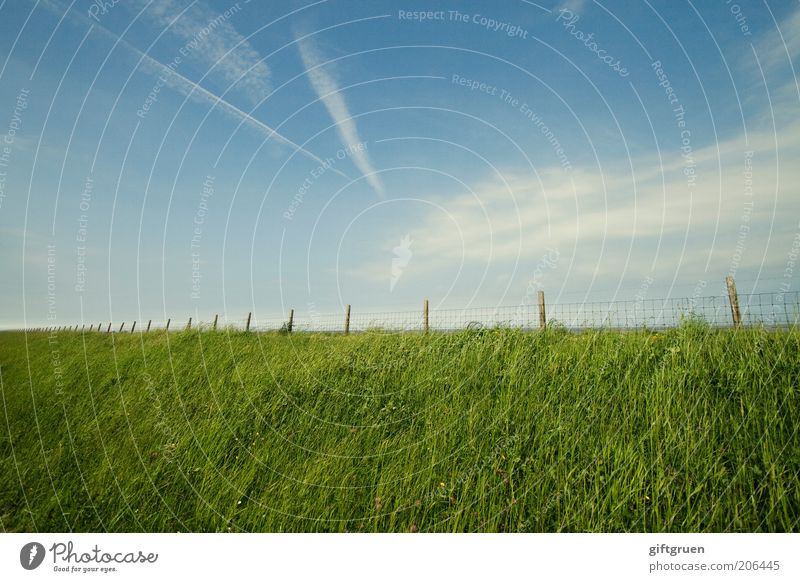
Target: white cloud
(183,85)
(327,89)
(574,6)
(579,212)
(781,46)
(213,42)
(189,88)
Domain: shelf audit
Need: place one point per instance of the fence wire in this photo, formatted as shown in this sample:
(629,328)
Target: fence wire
(772,310)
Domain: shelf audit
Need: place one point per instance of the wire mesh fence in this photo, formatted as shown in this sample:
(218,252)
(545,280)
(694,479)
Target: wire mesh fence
(771,310)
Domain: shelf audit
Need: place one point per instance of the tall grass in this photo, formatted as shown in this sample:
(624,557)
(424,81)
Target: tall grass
(490,430)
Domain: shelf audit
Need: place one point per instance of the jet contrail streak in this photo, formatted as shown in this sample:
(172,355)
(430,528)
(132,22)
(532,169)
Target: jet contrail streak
(190,88)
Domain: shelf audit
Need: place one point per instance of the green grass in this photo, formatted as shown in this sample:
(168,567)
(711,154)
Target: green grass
(490,430)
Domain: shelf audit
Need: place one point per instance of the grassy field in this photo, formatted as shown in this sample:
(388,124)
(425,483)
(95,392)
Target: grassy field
(493,430)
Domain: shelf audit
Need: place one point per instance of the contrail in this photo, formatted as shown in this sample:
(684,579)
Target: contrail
(231,109)
(189,88)
(327,89)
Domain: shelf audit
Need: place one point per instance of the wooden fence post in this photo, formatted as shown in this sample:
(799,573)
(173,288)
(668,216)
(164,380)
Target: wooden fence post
(133,326)
(167,327)
(425,316)
(109,327)
(216,316)
(99,325)
(90,327)
(121,326)
(249,315)
(149,321)
(733,298)
(347,320)
(542,315)
(189,325)
(291,321)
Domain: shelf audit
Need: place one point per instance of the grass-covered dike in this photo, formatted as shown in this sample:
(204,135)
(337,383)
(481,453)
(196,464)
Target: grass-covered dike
(692,429)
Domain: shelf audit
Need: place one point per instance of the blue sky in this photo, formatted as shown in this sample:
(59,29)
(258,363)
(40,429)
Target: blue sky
(176,158)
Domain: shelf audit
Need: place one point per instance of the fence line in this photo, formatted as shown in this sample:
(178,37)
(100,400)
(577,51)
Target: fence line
(773,310)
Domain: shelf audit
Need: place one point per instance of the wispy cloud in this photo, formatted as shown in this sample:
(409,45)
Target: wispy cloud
(590,208)
(327,89)
(574,6)
(780,47)
(183,85)
(189,88)
(772,63)
(214,43)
